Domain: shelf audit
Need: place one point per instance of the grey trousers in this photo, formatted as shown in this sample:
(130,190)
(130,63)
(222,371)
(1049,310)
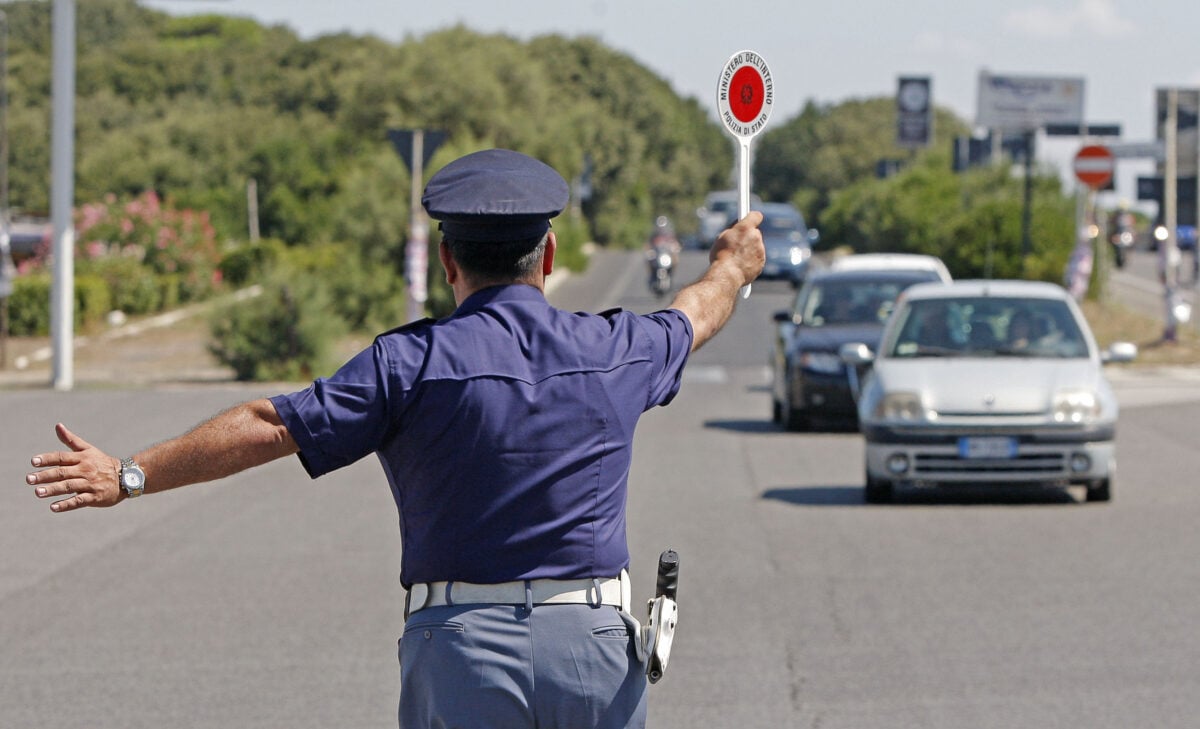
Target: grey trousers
(507,667)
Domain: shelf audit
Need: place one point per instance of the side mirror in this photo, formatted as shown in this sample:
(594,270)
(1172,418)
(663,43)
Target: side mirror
(814,236)
(856,354)
(1119,352)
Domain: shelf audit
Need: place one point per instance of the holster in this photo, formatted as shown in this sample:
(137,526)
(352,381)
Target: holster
(658,636)
(659,633)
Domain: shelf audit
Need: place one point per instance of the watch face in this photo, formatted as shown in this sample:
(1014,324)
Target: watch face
(133,479)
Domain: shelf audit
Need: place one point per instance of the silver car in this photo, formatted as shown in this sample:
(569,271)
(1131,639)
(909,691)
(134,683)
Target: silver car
(987,382)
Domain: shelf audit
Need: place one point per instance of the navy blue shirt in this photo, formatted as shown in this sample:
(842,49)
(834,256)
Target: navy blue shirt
(505,431)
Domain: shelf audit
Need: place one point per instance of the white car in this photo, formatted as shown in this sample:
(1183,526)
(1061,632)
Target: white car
(892,262)
(987,382)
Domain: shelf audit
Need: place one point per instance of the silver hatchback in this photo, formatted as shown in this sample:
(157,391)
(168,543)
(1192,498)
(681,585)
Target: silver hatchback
(987,382)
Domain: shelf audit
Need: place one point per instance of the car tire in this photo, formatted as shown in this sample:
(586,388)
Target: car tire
(776,411)
(877,490)
(796,421)
(1100,490)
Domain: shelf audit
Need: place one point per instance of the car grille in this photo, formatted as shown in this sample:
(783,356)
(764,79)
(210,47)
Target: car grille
(1048,463)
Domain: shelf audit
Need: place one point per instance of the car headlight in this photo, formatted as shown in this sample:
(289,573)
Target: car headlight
(826,362)
(1075,406)
(799,255)
(902,406)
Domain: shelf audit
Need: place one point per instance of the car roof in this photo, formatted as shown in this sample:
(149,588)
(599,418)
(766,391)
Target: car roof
(777,208)
(891,261)
(878,274)
(1007,288)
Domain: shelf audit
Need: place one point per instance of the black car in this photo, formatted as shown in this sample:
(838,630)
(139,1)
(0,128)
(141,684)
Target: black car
(833,308)
(788,242)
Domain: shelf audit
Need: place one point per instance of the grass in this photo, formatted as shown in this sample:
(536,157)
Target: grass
(1112,322)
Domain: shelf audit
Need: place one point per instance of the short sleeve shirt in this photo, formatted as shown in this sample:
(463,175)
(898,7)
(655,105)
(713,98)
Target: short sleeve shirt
(505,431)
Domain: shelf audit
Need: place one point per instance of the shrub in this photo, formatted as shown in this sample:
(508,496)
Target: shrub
(249,263)
(92,301)
(29,305)
(133,288)
(286,333)
(367,297)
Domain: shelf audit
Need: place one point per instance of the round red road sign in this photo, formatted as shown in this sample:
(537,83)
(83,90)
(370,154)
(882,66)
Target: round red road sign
(1094,165)
(745,94)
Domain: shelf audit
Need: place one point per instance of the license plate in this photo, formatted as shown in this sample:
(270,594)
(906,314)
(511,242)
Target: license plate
(987,447)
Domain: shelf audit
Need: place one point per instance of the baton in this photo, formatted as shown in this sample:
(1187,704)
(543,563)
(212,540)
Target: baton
(745,95)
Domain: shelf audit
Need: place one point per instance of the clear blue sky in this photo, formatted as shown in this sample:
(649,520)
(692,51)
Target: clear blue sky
(827,51)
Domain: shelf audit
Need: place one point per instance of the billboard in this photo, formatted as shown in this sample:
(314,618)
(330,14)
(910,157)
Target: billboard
(1027,103)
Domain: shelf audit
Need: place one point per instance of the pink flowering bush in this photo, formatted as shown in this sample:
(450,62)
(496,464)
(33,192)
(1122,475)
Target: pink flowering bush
(150,257)
(179,246)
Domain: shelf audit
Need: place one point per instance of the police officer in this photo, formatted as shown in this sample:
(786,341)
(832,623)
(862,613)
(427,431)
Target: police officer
(505,432)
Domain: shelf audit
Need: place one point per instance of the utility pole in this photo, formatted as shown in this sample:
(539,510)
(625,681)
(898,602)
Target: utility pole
(1168,255)
(62,194)
(7,271)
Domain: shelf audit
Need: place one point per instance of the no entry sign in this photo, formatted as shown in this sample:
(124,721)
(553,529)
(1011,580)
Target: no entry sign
(1094,165)
(745,94)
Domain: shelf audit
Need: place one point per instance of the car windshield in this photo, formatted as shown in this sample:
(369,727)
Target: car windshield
(834,302)
(780,224)
(987,327)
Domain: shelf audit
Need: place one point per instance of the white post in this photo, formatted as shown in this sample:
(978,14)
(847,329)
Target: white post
(62,194)
(416,251)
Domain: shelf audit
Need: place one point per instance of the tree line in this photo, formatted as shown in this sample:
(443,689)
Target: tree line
(192,109)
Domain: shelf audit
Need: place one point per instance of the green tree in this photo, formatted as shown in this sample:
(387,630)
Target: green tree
(972,221)
(827,148)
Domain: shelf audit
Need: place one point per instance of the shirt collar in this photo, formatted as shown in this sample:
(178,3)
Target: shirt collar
(499,294)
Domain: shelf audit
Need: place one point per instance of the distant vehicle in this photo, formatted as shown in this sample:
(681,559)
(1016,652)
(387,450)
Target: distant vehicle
(810,381)
(719,209)
(987,382)
(26,236)
(788,242)
(892,262)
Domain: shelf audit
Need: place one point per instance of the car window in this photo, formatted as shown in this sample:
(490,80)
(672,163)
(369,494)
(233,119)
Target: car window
(987,327)
(850,302)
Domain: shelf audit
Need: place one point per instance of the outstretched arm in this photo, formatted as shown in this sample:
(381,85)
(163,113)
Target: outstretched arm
(736,259)
(242,437)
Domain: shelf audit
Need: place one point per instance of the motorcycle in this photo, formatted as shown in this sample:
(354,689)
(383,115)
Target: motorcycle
(662,266)
(1122,246)
(1122,239)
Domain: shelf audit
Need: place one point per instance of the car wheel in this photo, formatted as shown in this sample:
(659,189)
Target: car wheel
(877,490)
(1100,490)
(776,411)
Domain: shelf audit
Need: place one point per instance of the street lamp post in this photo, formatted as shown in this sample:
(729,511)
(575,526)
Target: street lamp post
(62,193)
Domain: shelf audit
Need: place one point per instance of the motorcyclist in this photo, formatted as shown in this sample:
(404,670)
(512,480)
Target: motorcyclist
(662,240)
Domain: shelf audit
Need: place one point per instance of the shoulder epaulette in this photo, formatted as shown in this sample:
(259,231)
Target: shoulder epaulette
(409,326)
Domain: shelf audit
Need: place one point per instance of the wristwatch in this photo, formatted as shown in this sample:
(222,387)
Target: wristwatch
(133,478)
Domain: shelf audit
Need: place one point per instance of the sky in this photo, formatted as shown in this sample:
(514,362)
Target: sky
(829,52)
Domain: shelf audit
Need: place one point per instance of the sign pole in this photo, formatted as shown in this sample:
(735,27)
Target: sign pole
(745,96)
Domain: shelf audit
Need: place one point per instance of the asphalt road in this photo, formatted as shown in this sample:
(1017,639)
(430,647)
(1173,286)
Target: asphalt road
(268,600)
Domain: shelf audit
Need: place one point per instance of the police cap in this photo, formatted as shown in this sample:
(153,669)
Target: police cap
(495,195)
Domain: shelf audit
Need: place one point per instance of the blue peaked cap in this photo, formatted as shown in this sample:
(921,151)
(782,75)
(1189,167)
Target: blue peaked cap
(495,195)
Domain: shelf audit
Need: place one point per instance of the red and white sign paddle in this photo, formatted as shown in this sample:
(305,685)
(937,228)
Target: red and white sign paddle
(745,95)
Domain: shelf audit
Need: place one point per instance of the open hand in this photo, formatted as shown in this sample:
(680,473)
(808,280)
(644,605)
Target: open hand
(86,474)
